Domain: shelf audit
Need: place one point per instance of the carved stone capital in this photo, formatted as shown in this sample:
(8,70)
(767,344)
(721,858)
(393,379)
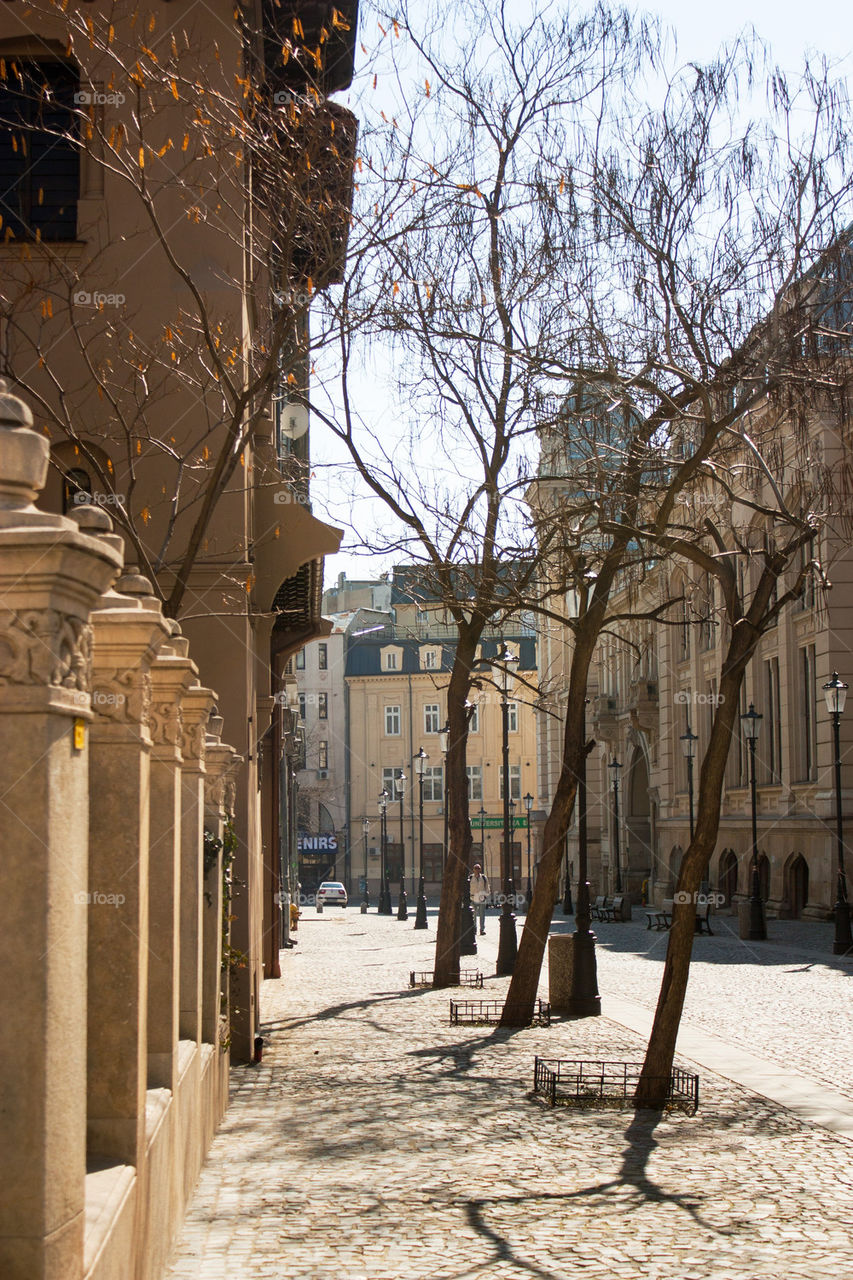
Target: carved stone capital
(166,724)
(122,696)
(45,647)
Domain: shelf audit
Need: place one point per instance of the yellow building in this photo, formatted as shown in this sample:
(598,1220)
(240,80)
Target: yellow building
(396,678)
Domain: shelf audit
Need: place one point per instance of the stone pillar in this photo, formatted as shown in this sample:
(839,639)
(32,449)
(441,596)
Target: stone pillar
(51,576)
(217,761)
(196,711)
(560,965)
(171,673)
(128,627)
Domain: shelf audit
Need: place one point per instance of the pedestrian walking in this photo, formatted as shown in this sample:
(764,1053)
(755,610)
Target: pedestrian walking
(479,895)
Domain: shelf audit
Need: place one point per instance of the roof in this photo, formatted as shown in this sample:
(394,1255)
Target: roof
(364,654)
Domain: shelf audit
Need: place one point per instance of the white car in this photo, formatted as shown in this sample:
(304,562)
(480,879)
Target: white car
(331,894)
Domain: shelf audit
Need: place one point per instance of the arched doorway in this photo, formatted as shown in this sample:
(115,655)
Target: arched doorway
(675,857)
(728,875)
(764,877)
(638,826)
(797,888)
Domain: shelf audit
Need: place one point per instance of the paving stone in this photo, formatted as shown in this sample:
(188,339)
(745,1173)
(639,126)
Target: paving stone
(376,1140)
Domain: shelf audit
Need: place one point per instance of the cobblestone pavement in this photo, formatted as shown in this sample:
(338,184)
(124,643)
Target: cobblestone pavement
(375,1141)
(771,998)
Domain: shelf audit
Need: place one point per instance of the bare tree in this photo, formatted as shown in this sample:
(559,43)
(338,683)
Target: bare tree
(465,289)
(704,224)
(214,206)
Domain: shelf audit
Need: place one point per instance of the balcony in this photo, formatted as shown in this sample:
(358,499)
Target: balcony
(305,184)
(320,42)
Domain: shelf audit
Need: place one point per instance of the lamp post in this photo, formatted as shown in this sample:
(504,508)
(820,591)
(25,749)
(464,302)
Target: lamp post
(400,788)
(688,747)
(482,816)
(402,904)
(584,1001)
(384,889)
(615,765)
(421,913)
(751,721)
(528,804)
(835,692)
(365,901)
(508,942)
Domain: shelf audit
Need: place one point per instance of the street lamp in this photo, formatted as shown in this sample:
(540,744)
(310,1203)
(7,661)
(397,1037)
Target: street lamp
(688,747)
(384,908)
(420,766)
(751,721)
(402,904)
(508,942)
(482,816)
(835,692)
(365,901)
(584,1002)
(528,804)
(400,788)
(615,765)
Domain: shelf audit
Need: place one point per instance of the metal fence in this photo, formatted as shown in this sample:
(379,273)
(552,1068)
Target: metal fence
(583,1082)
(489,1012)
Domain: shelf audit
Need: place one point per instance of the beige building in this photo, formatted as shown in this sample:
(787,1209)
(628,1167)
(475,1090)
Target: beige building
(396,680)
(146,267)
(651,685)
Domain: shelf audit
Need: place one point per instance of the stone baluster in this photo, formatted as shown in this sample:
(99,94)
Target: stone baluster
(52,574)
(128,629)
(196,711)
(172,673)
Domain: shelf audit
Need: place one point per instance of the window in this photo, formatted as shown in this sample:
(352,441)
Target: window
(76,489)
(474,719)
(388,776)
(392,721)
(433,862)
(323,657)
(684,633)
(512,716)
(807,595)
(514,782)
(301,697)
(707,624)
(432,718)
(323,755)
(39,162)
(808,713)
(429,659)
(323,706)
(772,746)
(475,781)
(390,660)
(434,782)
(300,660)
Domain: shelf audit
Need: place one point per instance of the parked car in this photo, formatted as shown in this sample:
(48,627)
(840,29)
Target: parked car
(331,894)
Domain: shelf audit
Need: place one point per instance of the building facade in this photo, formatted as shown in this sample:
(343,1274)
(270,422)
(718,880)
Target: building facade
(396,680)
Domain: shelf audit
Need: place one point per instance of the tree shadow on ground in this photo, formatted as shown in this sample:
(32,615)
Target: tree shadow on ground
(641,1143)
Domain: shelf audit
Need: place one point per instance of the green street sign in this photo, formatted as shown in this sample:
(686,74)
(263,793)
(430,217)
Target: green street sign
(478,823)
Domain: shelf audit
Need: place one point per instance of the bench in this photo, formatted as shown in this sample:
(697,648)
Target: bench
(599,907)
(660,917)
(614,910)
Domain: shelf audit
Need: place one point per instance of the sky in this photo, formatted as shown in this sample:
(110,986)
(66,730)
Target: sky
(791,27)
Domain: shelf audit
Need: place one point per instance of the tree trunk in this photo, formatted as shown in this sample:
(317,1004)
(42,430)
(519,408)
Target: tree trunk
(521,997)
(447,939)
(654,1080)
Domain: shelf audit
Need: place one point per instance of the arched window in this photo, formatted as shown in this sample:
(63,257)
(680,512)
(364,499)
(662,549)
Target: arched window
(39,155)
(76,489)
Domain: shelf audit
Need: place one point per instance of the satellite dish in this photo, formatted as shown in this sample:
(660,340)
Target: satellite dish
(293,421)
